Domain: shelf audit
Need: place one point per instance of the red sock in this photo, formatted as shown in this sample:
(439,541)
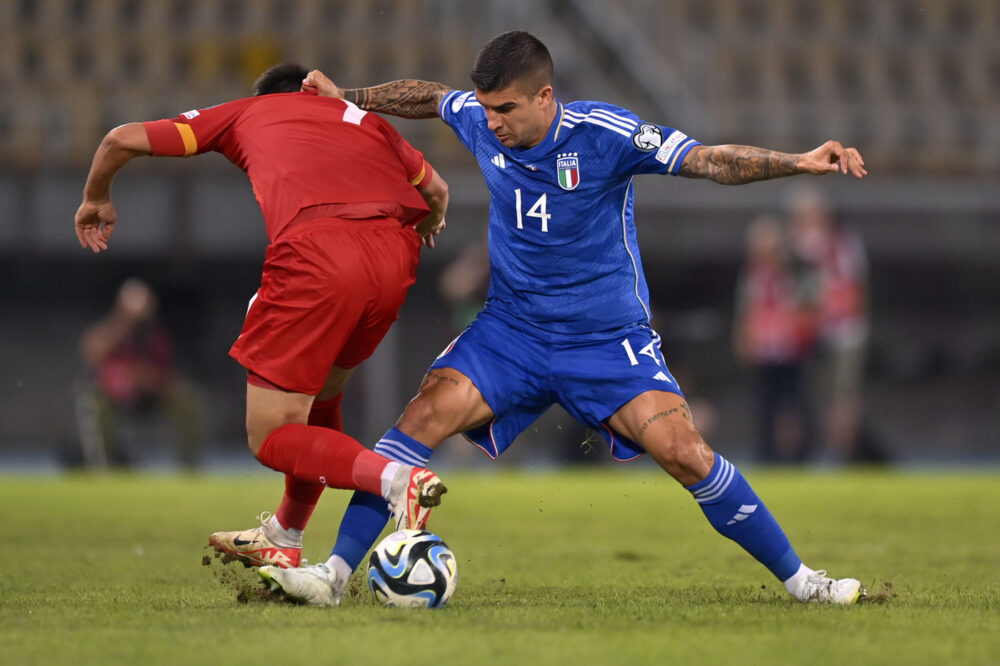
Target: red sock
(300,497)
(322,455)
(298,503)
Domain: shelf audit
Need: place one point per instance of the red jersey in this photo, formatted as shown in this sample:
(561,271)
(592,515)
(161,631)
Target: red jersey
(302,150)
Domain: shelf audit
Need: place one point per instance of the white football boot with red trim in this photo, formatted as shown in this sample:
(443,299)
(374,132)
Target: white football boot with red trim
(414,492)
(254,548)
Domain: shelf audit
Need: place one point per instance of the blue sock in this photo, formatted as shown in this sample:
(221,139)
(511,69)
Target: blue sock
(735,511)
(367,513)
(363,521)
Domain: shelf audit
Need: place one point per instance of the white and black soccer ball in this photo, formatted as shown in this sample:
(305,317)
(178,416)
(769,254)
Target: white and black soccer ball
(412,568)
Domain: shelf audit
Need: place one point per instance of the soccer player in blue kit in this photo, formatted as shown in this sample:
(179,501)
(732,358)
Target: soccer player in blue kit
(567,318)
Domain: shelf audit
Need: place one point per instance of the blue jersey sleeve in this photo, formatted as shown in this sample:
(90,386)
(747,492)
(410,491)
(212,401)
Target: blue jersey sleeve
(631,145)
(654,148)
(635,146)
(659,149)
(462,113)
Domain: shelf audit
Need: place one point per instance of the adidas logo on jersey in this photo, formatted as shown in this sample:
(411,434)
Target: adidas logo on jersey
(499,161)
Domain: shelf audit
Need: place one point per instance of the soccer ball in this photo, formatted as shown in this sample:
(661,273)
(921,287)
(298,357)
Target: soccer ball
(412,568)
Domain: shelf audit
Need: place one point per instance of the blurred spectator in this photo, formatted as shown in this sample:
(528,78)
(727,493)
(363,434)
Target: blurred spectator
(775,333)
(464,283)
(132,379)
(836,256)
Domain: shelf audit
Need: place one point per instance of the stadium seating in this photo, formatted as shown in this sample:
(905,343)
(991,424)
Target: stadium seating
(914,83)
(918,81)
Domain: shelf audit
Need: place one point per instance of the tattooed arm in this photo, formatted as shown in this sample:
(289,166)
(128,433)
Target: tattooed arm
(735,165)
(408,98)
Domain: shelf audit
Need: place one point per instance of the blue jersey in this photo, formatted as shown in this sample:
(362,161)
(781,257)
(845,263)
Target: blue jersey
(562,238)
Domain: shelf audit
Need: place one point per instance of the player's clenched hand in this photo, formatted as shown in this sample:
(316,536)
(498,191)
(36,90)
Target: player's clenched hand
(318,82)
(95,221)
(429,231)
(832,156)
(427,234)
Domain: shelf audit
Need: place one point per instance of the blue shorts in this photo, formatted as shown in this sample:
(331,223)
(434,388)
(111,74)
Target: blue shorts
(521,371)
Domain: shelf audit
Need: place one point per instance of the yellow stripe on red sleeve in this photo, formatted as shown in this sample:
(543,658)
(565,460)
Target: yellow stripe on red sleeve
(187,136)
(422,179)
(167,137)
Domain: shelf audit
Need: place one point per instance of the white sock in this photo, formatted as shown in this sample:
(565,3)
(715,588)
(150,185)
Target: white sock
(795,582)
(341,567)
(281,536)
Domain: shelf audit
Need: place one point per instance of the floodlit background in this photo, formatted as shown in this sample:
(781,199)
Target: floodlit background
(914,84)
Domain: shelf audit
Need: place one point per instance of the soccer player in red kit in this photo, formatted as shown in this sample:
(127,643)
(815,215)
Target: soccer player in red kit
(347,203)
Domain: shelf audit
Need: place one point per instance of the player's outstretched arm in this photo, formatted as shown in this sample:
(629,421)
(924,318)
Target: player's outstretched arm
(407,98)
(735,165)
(435,193)
(96,216)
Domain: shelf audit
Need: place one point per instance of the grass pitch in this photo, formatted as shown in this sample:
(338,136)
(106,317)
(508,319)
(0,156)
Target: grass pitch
(585,567)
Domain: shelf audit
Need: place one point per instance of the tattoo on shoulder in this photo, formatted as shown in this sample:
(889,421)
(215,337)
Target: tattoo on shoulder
(406,98)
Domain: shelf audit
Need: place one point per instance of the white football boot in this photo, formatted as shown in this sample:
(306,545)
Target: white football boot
(254,547)
(315,585)
(412,495)
(815,587)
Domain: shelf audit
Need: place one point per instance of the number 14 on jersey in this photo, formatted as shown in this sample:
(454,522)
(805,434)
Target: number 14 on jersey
(539,210)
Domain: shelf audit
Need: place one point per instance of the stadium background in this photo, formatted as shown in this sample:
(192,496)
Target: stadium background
(914,84)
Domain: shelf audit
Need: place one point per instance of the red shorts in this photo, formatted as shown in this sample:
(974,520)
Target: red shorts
(329,292)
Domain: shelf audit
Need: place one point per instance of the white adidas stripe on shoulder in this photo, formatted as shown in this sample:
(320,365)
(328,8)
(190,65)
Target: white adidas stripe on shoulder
(601,118)
(602,123)
(623,121)
(457,100)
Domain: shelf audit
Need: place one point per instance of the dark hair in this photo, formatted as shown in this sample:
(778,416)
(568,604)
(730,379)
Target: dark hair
(513,57)
(284,78)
